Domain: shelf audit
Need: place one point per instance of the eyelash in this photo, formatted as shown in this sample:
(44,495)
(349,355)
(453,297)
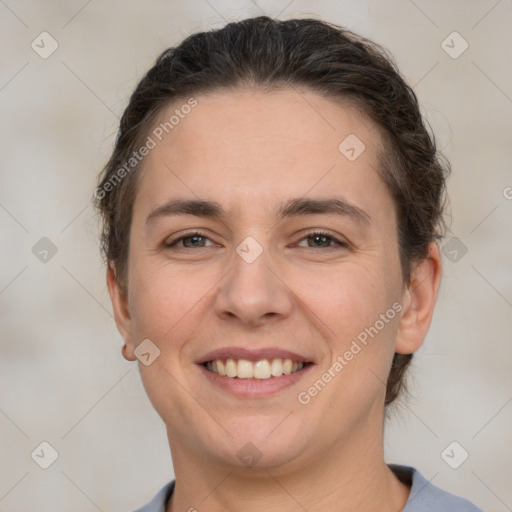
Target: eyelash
(311,234)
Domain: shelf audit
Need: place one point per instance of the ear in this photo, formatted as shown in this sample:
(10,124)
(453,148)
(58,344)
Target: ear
(418,302)
(121,313)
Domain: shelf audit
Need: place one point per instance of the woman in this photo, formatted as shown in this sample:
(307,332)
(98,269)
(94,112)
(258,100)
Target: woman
(271,215)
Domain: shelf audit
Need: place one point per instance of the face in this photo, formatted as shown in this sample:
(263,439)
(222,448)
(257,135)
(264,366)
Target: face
(293,257)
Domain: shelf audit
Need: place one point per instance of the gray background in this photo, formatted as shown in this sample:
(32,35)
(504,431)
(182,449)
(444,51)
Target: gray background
(63,378)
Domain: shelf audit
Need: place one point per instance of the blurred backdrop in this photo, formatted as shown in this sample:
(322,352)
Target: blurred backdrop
(67,70)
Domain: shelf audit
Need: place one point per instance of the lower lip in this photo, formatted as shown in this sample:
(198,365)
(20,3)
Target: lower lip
(254,388)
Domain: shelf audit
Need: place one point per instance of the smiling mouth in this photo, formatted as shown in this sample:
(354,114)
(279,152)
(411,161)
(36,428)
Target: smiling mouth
(263,369)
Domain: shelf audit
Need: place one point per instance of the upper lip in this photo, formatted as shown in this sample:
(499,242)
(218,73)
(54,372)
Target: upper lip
(252,355)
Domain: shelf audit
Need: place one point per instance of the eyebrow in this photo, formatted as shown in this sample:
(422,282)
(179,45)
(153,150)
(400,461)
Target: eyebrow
(291,208)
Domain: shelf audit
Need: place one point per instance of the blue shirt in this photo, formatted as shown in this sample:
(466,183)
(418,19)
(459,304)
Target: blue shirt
(424,496)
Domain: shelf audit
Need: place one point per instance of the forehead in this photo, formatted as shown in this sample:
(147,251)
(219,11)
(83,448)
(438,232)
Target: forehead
(253,146)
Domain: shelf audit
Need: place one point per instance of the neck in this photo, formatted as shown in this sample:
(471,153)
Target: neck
(347,476)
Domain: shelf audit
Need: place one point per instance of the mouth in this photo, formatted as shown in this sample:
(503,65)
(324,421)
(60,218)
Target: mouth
(253,373)
(262,370)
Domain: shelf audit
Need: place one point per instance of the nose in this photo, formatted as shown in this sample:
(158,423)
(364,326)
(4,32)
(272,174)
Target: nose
(253,293)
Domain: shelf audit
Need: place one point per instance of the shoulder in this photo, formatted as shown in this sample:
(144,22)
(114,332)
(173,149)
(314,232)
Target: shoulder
(159,502)
(426,497)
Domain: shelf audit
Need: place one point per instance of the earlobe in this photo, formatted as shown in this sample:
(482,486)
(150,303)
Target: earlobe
(418,302)
(127,352)
(121,313)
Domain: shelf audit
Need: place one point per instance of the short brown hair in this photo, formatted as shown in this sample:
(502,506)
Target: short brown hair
(269,54)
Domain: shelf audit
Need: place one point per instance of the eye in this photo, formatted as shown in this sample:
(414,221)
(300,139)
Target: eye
(315,240)
(322,240)
(189,241)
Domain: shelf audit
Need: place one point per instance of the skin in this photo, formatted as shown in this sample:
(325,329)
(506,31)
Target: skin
(250,151)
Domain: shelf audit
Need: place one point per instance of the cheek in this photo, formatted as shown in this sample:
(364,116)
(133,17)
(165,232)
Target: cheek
(348,298)
(164,300)
(165,308)
(359,344)
(356,306)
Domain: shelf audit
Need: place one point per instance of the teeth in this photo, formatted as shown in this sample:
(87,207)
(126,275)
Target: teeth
(221,367)
(277,368)
(244,369)
(230,368)
(262,370)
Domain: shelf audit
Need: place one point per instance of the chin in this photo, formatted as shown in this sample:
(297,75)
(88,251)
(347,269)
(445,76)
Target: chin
(259,442)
